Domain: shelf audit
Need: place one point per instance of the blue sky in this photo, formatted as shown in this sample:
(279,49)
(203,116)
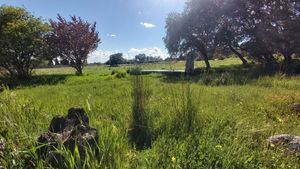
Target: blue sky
(128,26)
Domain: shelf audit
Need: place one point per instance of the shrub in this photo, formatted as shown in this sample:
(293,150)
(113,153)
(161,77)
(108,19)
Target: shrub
(224,79)
(135,71)
(119,73)
(207,79)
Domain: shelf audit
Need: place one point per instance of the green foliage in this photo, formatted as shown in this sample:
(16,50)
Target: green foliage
(21,41)
(116,59)
(119,73)
(135,71)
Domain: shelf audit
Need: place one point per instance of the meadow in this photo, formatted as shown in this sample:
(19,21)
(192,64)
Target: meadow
(210,120)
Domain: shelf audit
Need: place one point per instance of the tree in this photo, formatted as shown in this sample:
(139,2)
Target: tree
(177,40)
(226,39)
(282,27)
(267,27)
(73,40)
(56,62)
(193,31)
(116,59)
(21,41)
(260,28)
(65,62)
(141,58)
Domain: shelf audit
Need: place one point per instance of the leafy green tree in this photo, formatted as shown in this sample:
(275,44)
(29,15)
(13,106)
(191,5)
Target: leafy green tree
(267,27)
(116,59)
(260,28)
(193,30)
(141,58)
(21,41)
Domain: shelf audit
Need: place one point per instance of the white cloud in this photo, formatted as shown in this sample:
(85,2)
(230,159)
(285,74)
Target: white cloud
(148,25)
(155,51)
(111,35)
(103,56)
(99,56)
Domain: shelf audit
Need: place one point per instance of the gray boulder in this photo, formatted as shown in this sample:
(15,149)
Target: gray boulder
(2,149)
(69,132)
(296,107)
(293,142)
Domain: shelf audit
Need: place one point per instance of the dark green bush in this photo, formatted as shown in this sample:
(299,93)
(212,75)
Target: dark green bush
(120,74)
(135,71)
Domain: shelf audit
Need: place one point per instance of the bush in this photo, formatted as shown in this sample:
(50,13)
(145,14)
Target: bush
(119,74)
(135,71)
(217,79)
(224,79)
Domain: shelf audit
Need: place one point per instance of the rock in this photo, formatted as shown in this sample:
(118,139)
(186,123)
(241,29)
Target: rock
(2,149)
(70,131)
(2,145)
(295,107)
(293,142)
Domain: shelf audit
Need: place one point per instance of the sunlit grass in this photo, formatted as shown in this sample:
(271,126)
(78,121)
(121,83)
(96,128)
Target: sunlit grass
(234,119)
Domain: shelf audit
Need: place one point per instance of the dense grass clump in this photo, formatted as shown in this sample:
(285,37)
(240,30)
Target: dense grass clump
(139,131)
(185,118)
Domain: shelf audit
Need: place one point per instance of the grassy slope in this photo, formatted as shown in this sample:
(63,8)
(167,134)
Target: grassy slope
(234,119)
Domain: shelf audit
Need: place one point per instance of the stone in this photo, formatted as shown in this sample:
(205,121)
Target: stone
(189,65)
(70,131)
(295,107)
(293,142)
(2,149)
(2,145)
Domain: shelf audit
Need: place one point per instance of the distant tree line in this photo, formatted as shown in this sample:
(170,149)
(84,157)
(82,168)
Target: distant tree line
(117,59)
(26,41)
(264,30)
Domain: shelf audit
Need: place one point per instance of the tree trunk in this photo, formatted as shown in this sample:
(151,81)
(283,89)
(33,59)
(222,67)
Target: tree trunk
(271,63)
(79,71)
(189,65)
(205,57)
(287,63)
(78,66)
(239,55)
(22,73)
(50,63)
(201,48)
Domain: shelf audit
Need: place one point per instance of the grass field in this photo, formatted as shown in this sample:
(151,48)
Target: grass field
(234,110)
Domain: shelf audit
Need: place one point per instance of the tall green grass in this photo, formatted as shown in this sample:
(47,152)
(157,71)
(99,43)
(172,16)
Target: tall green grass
(220,124)
(139,131)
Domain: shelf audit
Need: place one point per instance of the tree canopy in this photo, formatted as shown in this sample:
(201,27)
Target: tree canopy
(260,28)
(21,41)
(116,59)
(73,40)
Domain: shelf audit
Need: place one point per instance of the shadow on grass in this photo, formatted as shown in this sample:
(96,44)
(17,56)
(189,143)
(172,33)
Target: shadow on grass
(35,80)
(223,75)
